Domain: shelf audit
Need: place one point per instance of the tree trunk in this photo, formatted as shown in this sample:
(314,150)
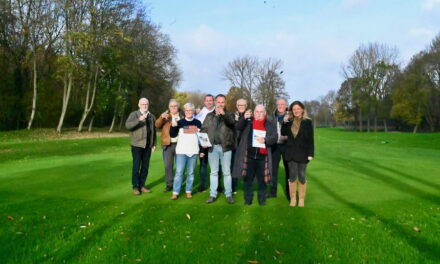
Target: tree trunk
(88,105)
(91,123)
(375,123)
(34,97)
(360,121)
(113,123)
(415,129)
(385,126)
(368,124)
(66,95)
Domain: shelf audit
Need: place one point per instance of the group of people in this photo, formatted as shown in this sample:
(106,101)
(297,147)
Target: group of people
(243,145)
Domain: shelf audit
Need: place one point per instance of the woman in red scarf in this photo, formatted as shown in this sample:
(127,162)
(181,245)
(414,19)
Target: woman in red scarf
(253,156)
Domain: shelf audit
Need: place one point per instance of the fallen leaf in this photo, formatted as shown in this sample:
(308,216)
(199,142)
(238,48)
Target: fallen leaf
(188,216)
(138,260)
(416,229)
(253,261)
(278,252)
(100,249)
(10,217)
(82,226)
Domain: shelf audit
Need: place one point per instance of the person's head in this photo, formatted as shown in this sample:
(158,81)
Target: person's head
(173,106)
(281,105)
(297,109)
(209,101)
(260,112)
(241,105)
(189,110)
(220,101)
(143,104)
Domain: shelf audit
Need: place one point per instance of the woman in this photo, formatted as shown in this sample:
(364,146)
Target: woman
(187,149)
(168,142)
(253,156)
(299,149)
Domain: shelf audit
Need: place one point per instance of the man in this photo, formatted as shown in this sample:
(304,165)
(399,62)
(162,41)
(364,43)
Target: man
(253,156)
(219,125)
(143,142)
(279,149)
(168,142)
(239,114)
(208,108)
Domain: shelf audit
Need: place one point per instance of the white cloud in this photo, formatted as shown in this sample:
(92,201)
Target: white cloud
(429,5)
(424,33)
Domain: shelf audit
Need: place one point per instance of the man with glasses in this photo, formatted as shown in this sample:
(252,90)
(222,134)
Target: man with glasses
(143,142)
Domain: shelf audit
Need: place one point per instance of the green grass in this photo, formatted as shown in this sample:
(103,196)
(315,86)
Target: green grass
(364,199)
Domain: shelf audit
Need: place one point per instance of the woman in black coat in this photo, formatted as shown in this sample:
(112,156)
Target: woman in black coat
(299,150)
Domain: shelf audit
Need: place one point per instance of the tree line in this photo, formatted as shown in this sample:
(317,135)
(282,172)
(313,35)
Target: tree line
(78,63)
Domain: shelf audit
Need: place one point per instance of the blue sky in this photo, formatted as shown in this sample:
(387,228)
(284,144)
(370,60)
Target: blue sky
(313,38)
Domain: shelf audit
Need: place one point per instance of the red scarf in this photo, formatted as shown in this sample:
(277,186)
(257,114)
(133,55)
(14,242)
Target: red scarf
(260,125)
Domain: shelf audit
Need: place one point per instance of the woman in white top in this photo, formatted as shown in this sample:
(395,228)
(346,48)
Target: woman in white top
(187,149)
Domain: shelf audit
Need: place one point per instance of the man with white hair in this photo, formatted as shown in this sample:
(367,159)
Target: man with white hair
(253,156)
(140,123)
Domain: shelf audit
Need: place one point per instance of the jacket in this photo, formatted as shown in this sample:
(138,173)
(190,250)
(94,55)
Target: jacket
(300,148)
(245,125)
(138,129)
(165,125)
(226,129)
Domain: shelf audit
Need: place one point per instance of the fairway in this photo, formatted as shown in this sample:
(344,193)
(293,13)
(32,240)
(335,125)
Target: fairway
(372,198)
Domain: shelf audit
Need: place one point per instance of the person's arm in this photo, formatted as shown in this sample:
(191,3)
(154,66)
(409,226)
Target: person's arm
(153,130)
(285,128)
(174,130)
(133,122)
(271,134)
(311,141)
(229,119)
(160,122)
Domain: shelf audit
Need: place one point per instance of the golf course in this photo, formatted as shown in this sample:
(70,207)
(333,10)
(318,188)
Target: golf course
(371,198)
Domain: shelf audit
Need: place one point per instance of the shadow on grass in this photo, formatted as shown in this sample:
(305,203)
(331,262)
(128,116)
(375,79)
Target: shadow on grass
(431,250)
(367,168)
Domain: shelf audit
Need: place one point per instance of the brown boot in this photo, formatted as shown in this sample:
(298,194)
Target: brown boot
(302,194)
(292,193)
(145,190)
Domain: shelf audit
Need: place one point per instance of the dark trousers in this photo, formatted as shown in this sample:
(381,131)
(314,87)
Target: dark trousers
(277,153)
(203,171)
(141,162)
(169,155)
(255,169)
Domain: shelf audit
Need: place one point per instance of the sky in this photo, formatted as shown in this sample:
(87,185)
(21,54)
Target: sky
(314,39)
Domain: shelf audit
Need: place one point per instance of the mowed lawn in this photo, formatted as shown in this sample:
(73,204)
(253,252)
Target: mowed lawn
(372,198)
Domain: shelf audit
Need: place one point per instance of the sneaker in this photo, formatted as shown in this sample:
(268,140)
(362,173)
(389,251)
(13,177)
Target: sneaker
(230,200)
(174,197)
(189,195)
(136,192)
(145,190)
(211,200)
(168,189)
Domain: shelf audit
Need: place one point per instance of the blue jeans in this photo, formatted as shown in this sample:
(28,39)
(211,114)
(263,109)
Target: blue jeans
(217,157)
(183,161)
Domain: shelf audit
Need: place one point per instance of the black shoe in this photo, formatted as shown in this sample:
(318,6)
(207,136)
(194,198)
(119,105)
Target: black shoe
(211,200)
(200,190)
(262,203)
(247,202)
(270,195)
(230,200)
(168,189)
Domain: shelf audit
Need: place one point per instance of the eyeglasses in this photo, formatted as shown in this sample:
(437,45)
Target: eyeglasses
(242,105)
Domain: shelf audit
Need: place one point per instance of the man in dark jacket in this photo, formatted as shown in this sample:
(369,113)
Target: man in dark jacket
(253,155)
(279,149)
(219,125)
(143,142)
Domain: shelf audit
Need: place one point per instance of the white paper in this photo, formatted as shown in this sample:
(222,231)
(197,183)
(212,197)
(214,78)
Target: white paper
(204,139)
(256,133)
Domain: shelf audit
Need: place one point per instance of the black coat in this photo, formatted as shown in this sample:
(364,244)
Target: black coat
(245,125)
(302,146)
(226,129)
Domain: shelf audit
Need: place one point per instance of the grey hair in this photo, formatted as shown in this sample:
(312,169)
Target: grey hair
(189,105)
(246,102)
(284,99)
(144,98)
(173,100)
